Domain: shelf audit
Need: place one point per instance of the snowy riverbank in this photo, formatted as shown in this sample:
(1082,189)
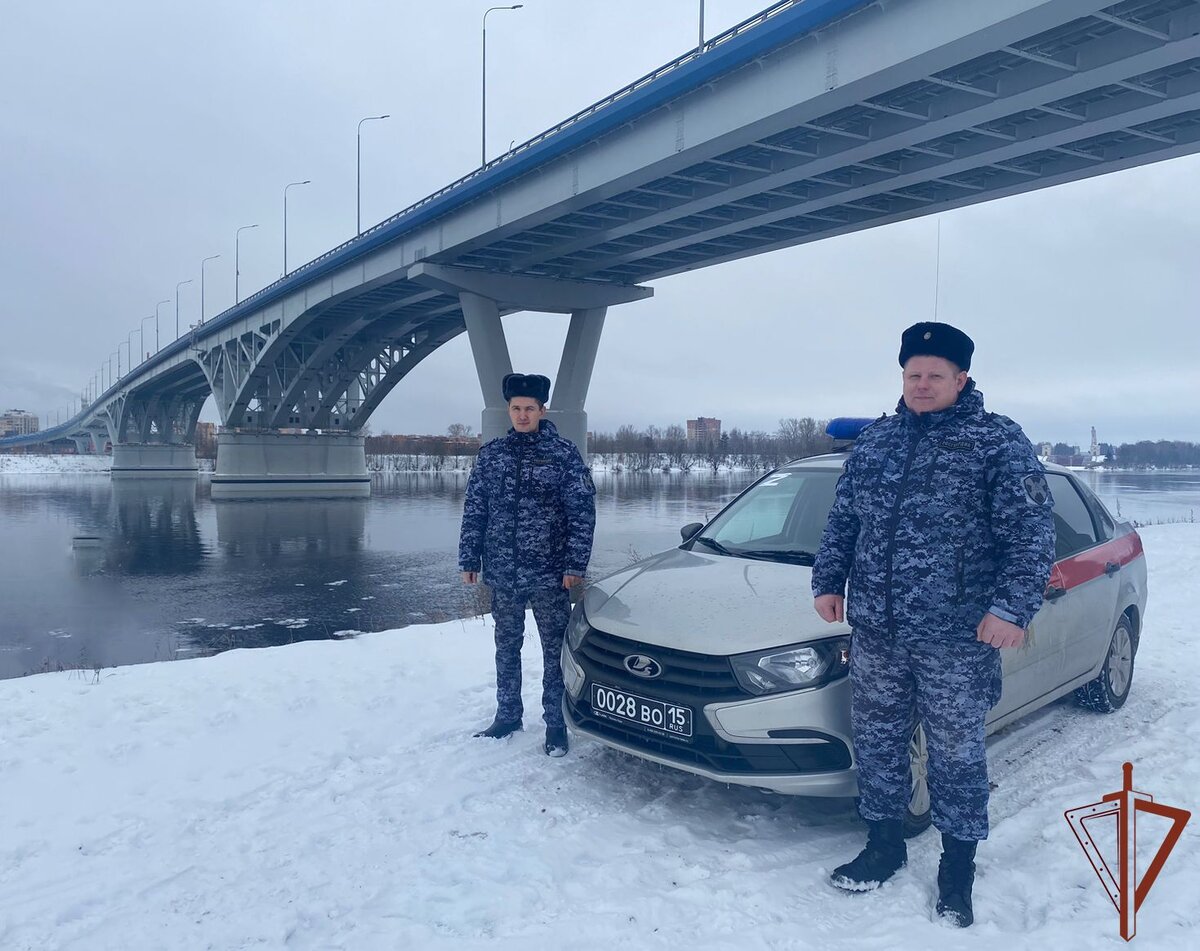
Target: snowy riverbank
(53,463)
(329,795)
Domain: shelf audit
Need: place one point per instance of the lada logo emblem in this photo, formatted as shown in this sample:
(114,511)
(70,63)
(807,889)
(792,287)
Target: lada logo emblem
(642,666)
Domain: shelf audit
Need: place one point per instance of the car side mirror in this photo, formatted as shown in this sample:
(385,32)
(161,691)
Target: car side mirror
(691,529)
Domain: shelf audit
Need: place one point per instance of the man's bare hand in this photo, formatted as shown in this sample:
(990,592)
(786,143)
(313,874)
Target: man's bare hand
(470,577)
(999,632)
(570,581)
(831,607)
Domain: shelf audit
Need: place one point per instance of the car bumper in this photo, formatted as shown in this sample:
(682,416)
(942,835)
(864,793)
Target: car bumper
(805,717)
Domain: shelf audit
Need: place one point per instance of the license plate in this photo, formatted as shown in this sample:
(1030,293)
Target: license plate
(654,715)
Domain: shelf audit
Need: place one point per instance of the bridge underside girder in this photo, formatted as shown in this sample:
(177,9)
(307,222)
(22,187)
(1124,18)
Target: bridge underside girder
(1115,88)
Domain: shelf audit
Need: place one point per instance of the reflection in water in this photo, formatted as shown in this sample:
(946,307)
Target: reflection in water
(276,527)
(154,527)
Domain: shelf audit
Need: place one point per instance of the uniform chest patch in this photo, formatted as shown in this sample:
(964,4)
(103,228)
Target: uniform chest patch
(959,445)
(1036,488)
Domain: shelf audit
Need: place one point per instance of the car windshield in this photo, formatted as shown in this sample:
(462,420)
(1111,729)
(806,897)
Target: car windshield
(779,519)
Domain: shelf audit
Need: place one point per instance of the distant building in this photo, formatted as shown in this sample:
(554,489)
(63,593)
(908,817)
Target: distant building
(17,422)
(703,429)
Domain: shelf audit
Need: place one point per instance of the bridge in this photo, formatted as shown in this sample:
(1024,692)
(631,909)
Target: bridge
(812,119)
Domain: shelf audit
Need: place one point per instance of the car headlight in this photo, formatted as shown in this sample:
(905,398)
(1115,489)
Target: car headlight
(801,665)
(577,627)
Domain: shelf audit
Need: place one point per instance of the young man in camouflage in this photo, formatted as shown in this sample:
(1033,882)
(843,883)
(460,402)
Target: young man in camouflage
(942,526)
(527,523)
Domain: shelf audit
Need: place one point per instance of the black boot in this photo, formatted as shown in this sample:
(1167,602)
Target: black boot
(556,741)
(884,855)
(956,875)
(500,728)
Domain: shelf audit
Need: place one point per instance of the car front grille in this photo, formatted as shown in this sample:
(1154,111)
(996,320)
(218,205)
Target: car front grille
(693,680)
(700,676)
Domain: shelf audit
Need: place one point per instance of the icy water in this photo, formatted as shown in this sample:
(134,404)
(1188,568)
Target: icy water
(173,573)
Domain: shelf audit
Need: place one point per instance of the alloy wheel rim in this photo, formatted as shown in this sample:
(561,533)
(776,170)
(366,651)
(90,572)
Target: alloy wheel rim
(1120,662)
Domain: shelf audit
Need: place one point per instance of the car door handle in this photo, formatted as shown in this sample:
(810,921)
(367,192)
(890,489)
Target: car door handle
(1053,593)
(1111,568)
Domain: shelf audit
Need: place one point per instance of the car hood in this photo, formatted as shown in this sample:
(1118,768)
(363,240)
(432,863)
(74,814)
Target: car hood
(708,603)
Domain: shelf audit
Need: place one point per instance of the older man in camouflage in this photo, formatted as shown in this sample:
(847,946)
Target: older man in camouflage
(942,526)
(527,523)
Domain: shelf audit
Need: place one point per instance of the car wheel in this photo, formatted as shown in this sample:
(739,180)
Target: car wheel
(1109,691)
(917,818)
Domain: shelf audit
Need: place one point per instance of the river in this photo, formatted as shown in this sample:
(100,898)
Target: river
(174,574)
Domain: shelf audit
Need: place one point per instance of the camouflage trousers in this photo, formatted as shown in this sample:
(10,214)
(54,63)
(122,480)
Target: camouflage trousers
(551,609)
(949,686)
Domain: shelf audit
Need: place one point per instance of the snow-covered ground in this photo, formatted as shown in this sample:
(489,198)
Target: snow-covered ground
(53,463)
(329,795)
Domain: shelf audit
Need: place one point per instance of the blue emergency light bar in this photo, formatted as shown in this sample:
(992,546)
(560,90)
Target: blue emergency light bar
(847,427)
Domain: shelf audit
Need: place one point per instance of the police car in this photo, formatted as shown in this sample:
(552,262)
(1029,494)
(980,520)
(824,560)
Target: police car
(711,659)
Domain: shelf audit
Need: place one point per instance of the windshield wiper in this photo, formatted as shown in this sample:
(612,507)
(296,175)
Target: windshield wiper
(714,545)
(790,556)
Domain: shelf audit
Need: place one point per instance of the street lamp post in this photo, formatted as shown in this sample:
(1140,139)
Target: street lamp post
(483,99)
(177,286)
(142,331)
(156,306)
(211,257)
(129,346)
(701,46)
(285,191)
(358,173)
(237,260)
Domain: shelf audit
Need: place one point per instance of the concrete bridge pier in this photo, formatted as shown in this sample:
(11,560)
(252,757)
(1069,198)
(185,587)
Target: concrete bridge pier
(484,296)
(272,464)
(153,461)
(575,375)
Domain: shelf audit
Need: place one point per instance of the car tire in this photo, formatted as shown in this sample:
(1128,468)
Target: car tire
(918,816)
(1110,690)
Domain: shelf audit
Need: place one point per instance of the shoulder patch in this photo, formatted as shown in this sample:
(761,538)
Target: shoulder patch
(585,479)
(1036,489)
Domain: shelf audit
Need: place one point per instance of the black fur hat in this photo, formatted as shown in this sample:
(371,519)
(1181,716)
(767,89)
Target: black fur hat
(533,385)
(928,339)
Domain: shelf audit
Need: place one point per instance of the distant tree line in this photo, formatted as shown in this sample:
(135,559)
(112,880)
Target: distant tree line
(629,447)
(455,450)
(1163,454)
(669,448)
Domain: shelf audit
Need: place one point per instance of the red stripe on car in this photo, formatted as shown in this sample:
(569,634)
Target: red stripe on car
(1078,569)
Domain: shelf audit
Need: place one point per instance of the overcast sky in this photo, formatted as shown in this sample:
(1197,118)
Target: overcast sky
(135,137)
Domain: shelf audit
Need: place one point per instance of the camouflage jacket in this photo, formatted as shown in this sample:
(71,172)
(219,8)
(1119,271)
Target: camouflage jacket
(529,512)
(938,519)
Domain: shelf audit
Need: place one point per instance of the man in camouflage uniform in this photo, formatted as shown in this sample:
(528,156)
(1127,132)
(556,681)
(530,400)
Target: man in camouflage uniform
(942,525)
(527,523)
